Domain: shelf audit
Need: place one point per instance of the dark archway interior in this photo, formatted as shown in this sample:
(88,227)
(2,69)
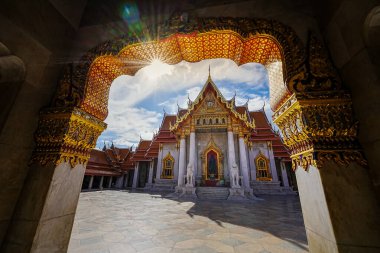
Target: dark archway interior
(39,40)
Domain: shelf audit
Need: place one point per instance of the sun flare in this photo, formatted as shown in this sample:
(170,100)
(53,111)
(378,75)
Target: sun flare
(157,69)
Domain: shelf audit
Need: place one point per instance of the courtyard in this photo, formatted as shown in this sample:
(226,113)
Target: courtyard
(122,221)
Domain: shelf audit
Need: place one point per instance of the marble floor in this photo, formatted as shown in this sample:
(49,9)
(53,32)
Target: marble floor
(122,221)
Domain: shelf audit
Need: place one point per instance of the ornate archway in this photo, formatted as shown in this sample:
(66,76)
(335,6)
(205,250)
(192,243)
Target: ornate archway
(312,110)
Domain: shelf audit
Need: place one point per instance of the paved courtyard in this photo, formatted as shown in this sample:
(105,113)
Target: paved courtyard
(120,221)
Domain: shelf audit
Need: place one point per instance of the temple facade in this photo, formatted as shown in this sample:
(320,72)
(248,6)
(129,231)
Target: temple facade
(212,143)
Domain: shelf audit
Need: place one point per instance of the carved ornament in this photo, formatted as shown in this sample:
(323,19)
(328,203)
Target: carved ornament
(65,135)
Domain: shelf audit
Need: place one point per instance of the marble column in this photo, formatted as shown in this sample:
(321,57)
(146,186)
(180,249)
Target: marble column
(109,182)
(272,162)
(159,163)
(243,162)
(101,183)
(231,149)
(135,176)
(150,176)
(284,174)
(91,182)
(192,153)
(182,160)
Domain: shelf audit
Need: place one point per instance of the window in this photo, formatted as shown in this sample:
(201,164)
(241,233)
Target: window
(210,121)
(217,121)
(223,121)
(262,168)
(198,121)
(167,167)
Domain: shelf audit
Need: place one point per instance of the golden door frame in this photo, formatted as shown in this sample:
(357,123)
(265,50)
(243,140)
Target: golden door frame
(219,154)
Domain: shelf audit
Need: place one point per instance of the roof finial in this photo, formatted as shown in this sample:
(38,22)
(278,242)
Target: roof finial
(104,147)
(163,108)
(262,109)
(209,70)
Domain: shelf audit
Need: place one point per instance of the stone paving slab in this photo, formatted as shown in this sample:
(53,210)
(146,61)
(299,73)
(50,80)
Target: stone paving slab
(123,222)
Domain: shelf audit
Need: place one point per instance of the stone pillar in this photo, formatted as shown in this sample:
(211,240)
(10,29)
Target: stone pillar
(284,174)
(159,163)
(101,183)
(182,160)
(339,204)
(339,208)
(45,212)
(243,162)
(272,163)
(91,182)
(192,154)
(149,184)
(135,176)
(109,182)
(231,151)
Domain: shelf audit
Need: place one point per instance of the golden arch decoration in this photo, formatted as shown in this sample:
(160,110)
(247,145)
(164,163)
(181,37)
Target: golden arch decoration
(239,39)
(262,168)
(212,147)
(168,167)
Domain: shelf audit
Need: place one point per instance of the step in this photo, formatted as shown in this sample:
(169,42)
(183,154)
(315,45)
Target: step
(212,193)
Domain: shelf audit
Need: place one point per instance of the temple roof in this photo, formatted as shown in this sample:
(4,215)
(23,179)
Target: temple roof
(210,86)
(141,150)
(109,162)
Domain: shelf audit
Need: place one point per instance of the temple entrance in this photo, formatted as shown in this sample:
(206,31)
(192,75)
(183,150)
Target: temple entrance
(212,160)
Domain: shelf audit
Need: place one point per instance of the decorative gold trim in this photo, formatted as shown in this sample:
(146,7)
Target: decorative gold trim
(65,135)
(212,146)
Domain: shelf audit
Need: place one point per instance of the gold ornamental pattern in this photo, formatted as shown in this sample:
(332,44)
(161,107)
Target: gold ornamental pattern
(317,130)
(66,135)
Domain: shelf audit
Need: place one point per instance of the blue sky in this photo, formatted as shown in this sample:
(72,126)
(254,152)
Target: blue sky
(136,103)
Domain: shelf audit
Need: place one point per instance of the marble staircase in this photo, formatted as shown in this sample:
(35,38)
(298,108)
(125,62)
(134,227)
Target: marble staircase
(212,193)
(271,188)
(164,184)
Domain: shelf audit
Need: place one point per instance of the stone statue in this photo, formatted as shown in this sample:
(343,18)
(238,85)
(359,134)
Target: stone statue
(190,175)
(234,172)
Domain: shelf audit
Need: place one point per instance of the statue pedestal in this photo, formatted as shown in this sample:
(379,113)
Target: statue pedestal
(187,192)
(241,194)
(236,194)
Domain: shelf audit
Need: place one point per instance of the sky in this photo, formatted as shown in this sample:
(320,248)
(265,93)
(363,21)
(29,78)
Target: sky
(137,103)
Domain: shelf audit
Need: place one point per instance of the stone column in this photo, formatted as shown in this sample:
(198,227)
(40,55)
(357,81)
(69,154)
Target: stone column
(46,207)
(192,153)
(91,182)
(101,183)
(243,162)
(109,182)
(272,163)
(150,175)
(159,163)
(284,174)
(182,160)
(231,149)
(135,176)
(339,204)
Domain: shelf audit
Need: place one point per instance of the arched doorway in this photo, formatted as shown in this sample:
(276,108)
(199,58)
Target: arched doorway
(305,91)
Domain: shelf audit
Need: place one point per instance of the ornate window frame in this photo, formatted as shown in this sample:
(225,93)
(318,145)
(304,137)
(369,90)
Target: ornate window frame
(262,168)
(168,168)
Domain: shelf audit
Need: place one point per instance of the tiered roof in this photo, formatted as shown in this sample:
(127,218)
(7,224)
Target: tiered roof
(164,135)
(142,148)
(109,161)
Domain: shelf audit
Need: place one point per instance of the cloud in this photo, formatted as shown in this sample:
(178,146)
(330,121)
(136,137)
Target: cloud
(127,125)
